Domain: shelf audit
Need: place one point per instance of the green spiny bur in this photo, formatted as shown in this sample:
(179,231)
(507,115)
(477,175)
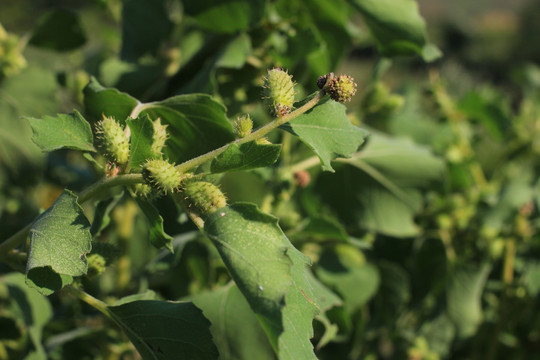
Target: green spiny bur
(113,142)
(202,197)
(243,126)
(162,175)
(279,91)
(159,138)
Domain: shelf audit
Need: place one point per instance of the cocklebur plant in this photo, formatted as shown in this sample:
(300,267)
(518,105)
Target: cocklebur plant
(142,148)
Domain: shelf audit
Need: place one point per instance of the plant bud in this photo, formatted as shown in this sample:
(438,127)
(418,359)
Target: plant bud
(204,198)
(113,142)
(340,88)
(243,126)
(96,265)
(279,91)
(162,175)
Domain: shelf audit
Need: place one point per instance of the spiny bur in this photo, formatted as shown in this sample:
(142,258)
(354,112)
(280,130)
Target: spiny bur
(242,126)
(202,197)
(340,88)
(112,140)
(163,176)
(159,138)
(279,91)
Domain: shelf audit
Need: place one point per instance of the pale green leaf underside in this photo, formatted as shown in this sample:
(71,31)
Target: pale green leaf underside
(271,274)
(327,131)
(59,241)
(245,157)
(166,330)
(63,131)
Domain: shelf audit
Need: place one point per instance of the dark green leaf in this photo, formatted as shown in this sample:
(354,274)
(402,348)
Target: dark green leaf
(245,157)
(271,274)
(58,30)
(381,192)
(101,214)
(197,124)
(142,131)
(166,330)
(99,101)
(30,306)
(158,237)
(345,269)
(464,298)
(226,16)
(396,25)
(328,132)
(323,228)
(145,26)
(63,131)
(59,241)
(235,329)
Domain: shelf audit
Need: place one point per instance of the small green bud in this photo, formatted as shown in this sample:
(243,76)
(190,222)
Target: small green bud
(11,58)
(113,142)
(202,197)
(159,137)
(143,190)
(340,88)
(96,265)
(279,91)
(243,126)
(163,176)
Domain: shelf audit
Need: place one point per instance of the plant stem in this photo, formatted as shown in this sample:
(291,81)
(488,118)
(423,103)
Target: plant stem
(257,134)
(106,183)
(89,299)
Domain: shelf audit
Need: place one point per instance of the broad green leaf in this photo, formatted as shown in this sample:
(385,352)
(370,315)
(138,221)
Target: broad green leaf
(236,331)
(146,25)
(59,241)
(31,307)
(158,237)
(270,273)
(439,333)
(245,157)
(394,293)
(63,131)
(235,53)
(99,101)
(197,124)
(101,214)
(328,132)
(225,16)
(58,30)
(396,25)
(379,188)
(464,298)
(345,270)
(142,131)
(531,277)
(323,228)
(166,330)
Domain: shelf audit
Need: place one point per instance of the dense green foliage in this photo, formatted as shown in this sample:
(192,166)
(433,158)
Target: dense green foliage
(160,199)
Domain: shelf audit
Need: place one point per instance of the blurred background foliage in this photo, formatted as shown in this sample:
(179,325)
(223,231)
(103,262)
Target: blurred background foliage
(429,235)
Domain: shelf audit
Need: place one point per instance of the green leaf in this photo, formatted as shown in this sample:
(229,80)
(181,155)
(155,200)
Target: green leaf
(146,25)
(327,131)
(270,273)
(101,214)
(99,101)
(166,330)
(464,298)
(142,132)
(345,270)
(323,228)
(245,157)
(379,190)
(158,237)
(31,307)
(197,124)
(235,328)
(59,241)
(58,30)
(64,131)
(396,25)
(226,16)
